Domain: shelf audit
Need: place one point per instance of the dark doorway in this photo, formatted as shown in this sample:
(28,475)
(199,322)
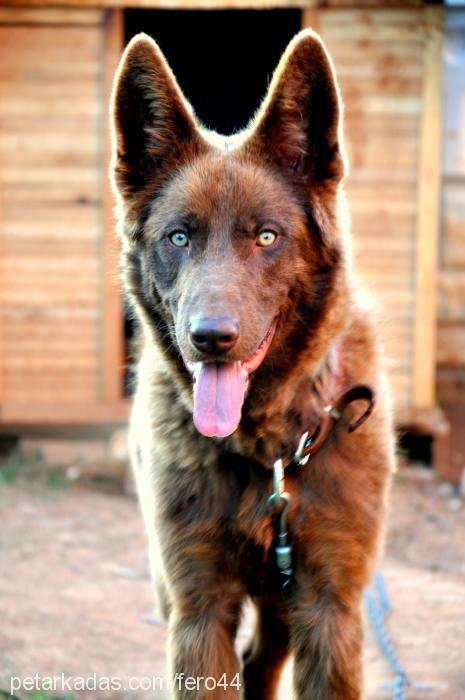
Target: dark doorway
(223,61)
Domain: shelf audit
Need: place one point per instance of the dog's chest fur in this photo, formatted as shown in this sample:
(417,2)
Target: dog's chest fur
(217,491)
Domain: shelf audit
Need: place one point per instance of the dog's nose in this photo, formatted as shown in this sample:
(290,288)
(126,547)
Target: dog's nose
(214,334)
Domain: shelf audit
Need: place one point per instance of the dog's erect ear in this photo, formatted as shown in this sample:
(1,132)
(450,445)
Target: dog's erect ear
(299,121)
(152,122)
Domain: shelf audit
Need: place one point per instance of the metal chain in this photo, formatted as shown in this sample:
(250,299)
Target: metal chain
(378,605)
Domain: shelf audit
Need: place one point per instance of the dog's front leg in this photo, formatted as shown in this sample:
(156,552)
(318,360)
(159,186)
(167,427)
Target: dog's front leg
(264,660)
(327,641)
(203,663)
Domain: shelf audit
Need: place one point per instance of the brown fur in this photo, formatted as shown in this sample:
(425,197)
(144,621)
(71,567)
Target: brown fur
(204,500)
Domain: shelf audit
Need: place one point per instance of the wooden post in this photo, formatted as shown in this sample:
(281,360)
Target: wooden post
(310,18)
(2,293)
(426,263)
(113,319)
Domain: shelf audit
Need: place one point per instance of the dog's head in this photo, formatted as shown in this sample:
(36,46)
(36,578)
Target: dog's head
(232,245)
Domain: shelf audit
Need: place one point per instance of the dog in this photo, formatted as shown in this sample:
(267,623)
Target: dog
(235,258)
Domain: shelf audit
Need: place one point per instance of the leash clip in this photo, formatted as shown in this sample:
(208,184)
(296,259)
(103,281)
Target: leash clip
(279,503)
(274,501)
(283,549)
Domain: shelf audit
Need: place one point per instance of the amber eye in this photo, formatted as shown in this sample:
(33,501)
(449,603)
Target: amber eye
(266,238)
(179,238)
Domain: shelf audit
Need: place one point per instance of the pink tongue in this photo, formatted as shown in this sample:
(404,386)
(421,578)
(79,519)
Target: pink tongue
(219,392)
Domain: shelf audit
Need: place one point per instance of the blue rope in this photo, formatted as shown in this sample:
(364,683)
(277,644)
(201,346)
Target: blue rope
(379,605)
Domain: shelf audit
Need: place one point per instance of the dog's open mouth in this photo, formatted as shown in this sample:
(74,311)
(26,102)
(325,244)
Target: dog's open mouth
(219,390)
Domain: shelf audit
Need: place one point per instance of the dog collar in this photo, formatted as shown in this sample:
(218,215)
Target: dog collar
(310,444)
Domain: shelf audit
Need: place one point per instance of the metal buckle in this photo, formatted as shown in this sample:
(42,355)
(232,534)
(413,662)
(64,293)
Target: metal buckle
(333,412)
(298,459)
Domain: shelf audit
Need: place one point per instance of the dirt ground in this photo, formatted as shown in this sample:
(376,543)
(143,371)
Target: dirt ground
(75,594)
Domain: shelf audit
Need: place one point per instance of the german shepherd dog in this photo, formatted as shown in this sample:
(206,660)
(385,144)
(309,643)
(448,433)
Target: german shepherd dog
(235,260)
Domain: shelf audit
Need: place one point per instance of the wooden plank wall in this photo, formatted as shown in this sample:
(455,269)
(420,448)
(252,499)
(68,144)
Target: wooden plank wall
(380,65)
(52,185)
(59,357)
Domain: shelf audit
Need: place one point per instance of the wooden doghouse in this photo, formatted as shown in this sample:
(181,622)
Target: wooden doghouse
(62,330)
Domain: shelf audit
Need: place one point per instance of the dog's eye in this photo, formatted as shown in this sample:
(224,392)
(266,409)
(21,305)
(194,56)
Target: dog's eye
(179,239)
(266,238)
